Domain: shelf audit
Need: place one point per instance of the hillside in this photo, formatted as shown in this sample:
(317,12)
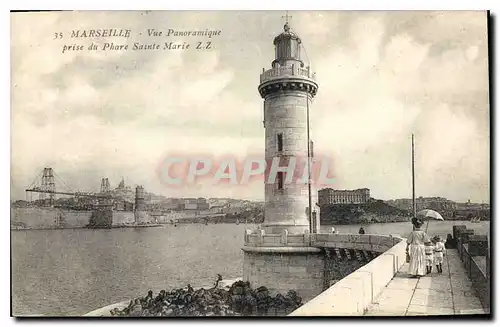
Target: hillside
(372,212)
(254,215)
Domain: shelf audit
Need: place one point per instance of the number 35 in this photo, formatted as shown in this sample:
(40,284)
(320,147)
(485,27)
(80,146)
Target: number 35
(58,35)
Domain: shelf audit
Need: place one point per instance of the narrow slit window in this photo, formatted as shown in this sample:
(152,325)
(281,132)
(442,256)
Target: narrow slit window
(280,180)
(280,142)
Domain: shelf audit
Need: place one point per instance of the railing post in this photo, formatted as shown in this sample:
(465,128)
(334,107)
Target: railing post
(488,265)
(465,235)
(284,237)
(247,233)
(470,266)
(464,239)
(312,239)
(478,245)
(456,231)
(261,235)
(307,238)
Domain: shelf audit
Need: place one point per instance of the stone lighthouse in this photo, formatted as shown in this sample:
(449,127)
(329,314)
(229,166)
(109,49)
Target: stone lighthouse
(287,89)
(279,254)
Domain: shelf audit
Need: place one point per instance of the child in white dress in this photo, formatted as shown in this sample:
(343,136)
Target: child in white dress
(429,256)
(439,251)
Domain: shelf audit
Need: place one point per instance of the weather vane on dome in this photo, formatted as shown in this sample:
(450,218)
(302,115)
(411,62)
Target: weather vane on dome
(286,27)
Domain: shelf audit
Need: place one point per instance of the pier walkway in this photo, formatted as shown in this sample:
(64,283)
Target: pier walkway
(449,293)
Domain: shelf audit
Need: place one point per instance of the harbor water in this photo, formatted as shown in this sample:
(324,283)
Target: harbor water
(74,271)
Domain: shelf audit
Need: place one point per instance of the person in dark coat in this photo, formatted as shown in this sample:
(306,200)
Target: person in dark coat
(451,243)
(361,231)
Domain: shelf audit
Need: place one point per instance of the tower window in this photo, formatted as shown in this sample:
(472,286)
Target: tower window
(280,180)
(280,142)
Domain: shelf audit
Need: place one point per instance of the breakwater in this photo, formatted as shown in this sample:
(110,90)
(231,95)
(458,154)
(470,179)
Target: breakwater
(56,218)
(238,299)
(48,218)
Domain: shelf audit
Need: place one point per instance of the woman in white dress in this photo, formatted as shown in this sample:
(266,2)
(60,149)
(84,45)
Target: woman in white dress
(416,249)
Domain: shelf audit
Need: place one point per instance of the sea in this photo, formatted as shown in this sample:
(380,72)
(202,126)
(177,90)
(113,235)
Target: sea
(70,272)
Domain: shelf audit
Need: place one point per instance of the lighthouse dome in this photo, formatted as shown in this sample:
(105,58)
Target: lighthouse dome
(287,34)
(287,47)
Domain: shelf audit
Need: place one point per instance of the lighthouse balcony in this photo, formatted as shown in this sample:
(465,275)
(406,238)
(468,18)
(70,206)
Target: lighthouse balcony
(295,71)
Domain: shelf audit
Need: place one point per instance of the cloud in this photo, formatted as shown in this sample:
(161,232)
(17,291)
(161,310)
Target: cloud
(374,102)
(382,76)
(472,52)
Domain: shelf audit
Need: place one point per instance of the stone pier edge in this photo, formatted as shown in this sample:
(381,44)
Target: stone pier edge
(351,295)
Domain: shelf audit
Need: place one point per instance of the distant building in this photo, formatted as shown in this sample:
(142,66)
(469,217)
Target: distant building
(330,196)
(403,204)
(473,206)
(217,209)
(195,204)
(121,186)
(433,203)
(122,205)
(123,192)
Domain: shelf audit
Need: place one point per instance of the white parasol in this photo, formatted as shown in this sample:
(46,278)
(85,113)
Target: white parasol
(428,214)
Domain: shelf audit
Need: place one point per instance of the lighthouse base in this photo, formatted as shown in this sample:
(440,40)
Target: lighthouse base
(285,268)
(290,228)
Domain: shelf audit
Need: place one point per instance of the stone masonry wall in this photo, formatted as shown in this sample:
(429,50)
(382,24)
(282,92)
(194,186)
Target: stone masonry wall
(336,269)
(123,217)
(285,113)
(302,272)
(41,218)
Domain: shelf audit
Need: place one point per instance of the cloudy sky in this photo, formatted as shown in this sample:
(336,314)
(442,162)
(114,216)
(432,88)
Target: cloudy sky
(381,75)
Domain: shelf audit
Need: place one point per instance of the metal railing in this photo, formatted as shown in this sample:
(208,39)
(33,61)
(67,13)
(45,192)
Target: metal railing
(294,70)
(480,278)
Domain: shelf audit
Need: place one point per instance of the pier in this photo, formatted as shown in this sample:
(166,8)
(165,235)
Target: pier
(449,293)
(375,290)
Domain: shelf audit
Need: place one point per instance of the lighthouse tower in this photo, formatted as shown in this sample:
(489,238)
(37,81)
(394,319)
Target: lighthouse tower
(287,89)
(279,255)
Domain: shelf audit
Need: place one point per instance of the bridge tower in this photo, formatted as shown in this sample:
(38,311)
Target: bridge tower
(139,198)
(140,206)
(279,255)
(48,184)
(105,188)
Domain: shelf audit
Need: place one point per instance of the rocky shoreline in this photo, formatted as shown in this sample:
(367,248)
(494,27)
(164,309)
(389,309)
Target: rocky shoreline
(236,298)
